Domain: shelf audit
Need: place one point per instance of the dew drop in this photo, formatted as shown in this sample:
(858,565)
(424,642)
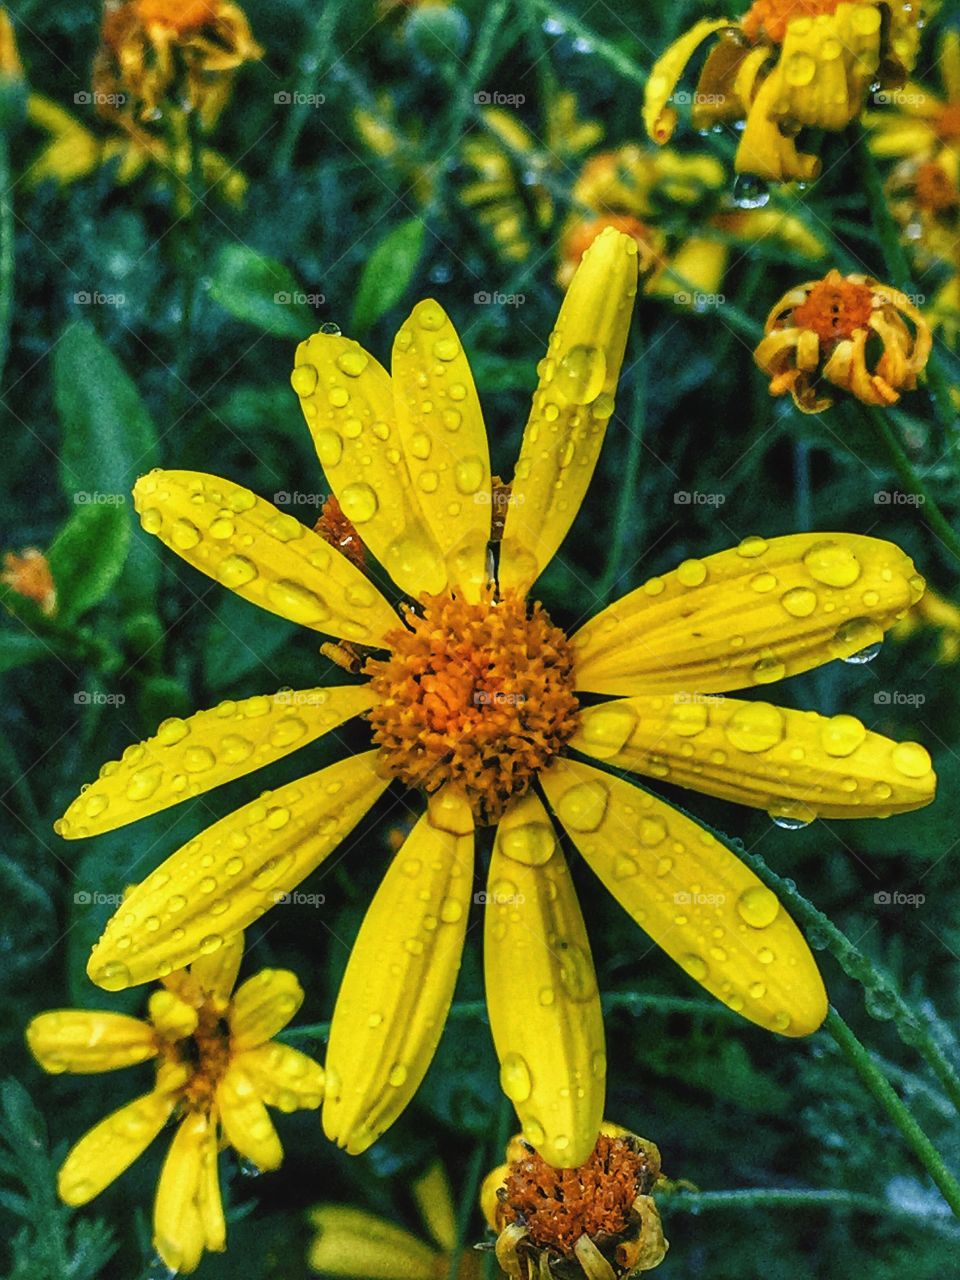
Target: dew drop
(583,806)
(758,907)
(515,1078)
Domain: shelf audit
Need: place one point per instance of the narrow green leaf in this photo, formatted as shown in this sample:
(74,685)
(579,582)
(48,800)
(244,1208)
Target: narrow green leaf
(87,557)
(388,272)
(262,292)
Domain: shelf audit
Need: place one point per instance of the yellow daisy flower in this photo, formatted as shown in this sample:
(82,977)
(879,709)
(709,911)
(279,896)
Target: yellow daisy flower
(642,191)
(473,696)
(821,330)
(917,123)
(217,1070)
(360,1245)
(786,65)
(598,1221)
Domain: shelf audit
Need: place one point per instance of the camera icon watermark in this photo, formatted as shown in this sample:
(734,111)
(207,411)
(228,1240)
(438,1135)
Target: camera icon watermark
(86,98)
(97,698)
(884,898)
(297,498)
(897,698)
(685,899)
(294,98)
(297,898)
(484,299)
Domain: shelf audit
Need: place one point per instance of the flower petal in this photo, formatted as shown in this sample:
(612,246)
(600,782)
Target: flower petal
(265,556)
(399,982)
(791,763)
(284,1077)
(246,1121)
(182,1210)
(232,873)
(542,990)
(88,1040)
(826,65)
(765,149)
(352,1242)
(185,758)
(217,972)
(571,407)
(435,1202)
(347,400)
(748,616)
(697,901)
(659,120)
(262,1006)
(440,424)
(110,1147)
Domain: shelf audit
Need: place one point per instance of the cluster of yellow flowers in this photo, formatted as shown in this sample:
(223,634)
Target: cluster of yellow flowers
(486,711)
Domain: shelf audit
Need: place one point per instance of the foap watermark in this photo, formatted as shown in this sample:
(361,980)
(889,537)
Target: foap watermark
(301,697)
(694,498)
(93,98)
(686,99)
(94,298)
(97,698)
(485,299)
(498,99)
(708,699)
(285,498)
(93,898)
(297,898)
(896,898)
(295,298)
(500,499)
(94,498)
(699,301)
(295,98)
(897,698)
(897,498)
(684,899)
(898,98)
(493,898)
(497,698)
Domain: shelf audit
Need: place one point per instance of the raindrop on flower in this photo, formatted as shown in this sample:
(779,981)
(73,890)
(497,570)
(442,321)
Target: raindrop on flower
(750,192)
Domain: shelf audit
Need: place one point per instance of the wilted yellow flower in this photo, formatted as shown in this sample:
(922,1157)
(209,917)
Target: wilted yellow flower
(473,696)
(646,192)
(28,574)
(356,1244)
(155,54)
(786,65)
(598,1221)
(217,1070)
(821,330)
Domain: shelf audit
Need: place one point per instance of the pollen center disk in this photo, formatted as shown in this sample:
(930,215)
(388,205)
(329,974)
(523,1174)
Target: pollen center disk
(835,309)
(479,695)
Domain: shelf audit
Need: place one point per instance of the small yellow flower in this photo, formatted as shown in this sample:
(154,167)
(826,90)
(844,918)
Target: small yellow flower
(474,698)
(598,1221)
(937,614)
(786,65)
(821,330)
(28,574)
(11,68)
(356,1244)
(158,53)
(217,1070)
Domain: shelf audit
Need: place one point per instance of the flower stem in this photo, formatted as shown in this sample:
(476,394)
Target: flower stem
(628,522)
(6,250)
(604,49)
(468,1202)
(326,17)
(883,1093)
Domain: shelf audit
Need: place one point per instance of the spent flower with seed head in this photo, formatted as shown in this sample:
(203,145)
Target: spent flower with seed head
(217,1071)
(784,66)
(474,700)
(820,330)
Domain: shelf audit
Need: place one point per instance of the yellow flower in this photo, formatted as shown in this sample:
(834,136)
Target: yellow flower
(598,1221)
(821,330)
(154,53)
(786,65)
(472,695)
(933,611)
(354,1243)
(11,68)
(217,1070)
(28,574)
(643,192)
(507,191)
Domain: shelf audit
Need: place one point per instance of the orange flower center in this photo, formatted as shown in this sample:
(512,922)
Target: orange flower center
(558,1206)
(933,189)
(582,234)
(771,18)
(835,308)
(178,15)
(480,695)
(947,122)
(205,1053)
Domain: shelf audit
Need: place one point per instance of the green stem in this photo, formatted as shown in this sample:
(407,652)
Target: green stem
(933,517)
(604,48)
(315,57)
(6,251)
(468,1201)
(749,1198)
(883,1093)
(884,1001)
(628,522)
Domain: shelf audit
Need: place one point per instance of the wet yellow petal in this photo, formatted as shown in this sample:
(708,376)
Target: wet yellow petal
(354,1243)
(826,66)
(571,407)
(794,764)
(399,982)
(262,1006)
(217,972)
(187,757)
(209,1200)
(110,1147)
(182,1210)
(232,873)
(435,1202)
(284,1077)
(172,1016)
(347,400)
(765,150)
(697,267)
(246,1121)
(660,120)
(440,424)
(542,990)
(697,901)
(86,1040)
(265,556)
(748,616)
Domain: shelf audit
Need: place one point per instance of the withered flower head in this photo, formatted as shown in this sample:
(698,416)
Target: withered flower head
(827,329)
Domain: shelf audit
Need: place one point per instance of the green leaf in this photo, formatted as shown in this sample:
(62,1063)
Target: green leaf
(241,639)
(388,272)
(260,291)
(17,648)
(108,436)
(87,557)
